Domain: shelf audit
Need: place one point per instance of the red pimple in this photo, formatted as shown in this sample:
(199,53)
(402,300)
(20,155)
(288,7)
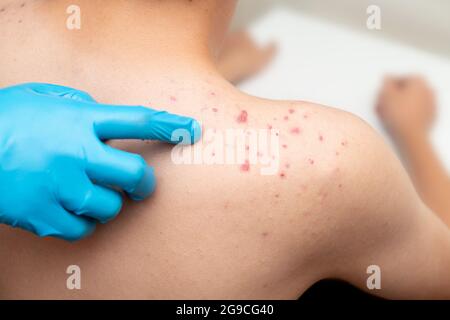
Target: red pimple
(284,146)
(287,165)
(277,195)
(344,143)
(296,130)
(337,153)
(340,186)
(311,161)
(305,116)
(212,93)
(242,118)
(215,109)
(321,138)
(247,148)
(173,99)
(269,126)
(245,167)
(282,175)
(286,118)
(291,111)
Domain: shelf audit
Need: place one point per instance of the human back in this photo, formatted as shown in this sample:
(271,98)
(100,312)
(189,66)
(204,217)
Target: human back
(220,230)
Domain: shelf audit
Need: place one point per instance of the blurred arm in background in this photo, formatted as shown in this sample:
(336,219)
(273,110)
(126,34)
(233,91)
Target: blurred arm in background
(242,58)
(407,108)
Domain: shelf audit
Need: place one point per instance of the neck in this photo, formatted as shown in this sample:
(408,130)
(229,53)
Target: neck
(172,35)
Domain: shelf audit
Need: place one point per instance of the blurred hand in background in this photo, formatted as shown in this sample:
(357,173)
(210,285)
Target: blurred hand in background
(407,108)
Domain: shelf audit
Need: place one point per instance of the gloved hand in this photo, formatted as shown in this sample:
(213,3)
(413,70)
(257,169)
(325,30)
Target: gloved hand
(57,177)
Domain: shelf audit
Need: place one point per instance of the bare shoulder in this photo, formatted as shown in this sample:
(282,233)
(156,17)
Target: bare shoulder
(324,144)
(346,187)
(334,147)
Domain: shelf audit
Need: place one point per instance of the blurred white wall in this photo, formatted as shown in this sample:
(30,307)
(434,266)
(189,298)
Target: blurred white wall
(422,23)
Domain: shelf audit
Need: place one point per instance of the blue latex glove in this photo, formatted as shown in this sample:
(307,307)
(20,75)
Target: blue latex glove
(57,177)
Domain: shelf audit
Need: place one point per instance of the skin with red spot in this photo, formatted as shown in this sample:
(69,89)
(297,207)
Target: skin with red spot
(296,130)
(215,109)
(286,118)
(245,167)
(243,117)
(291,111)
